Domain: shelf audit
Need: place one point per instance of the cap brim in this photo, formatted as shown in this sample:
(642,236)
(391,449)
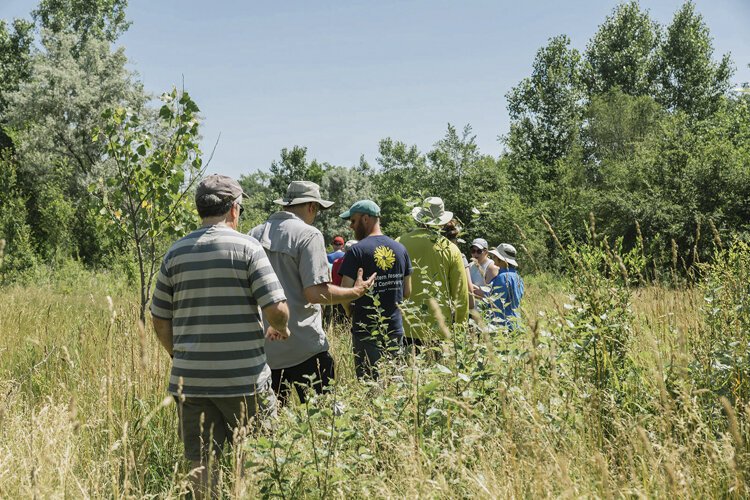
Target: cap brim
(345,215)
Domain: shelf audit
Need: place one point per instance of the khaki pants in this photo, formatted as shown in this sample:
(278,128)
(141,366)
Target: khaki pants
(206,423)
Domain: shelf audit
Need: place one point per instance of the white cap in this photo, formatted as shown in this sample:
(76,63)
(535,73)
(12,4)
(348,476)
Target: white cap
(480,243)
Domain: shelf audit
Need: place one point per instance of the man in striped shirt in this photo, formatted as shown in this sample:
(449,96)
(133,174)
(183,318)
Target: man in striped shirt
(210,290)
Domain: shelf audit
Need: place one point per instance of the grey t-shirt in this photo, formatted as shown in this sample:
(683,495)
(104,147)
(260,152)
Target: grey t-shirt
(297,254)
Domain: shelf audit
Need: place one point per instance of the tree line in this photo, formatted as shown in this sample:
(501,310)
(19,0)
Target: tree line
(639,138)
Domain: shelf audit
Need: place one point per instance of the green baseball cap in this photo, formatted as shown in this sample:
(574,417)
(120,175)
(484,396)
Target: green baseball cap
(368,207)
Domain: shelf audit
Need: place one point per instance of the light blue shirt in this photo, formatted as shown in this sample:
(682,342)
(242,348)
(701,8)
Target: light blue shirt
(506,293)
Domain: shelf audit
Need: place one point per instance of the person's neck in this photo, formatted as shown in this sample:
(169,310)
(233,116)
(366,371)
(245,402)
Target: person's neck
(215,221)
(483,260)
(375,231)
(300,212)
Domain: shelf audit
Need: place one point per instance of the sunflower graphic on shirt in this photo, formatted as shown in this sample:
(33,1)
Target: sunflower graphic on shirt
(384,257)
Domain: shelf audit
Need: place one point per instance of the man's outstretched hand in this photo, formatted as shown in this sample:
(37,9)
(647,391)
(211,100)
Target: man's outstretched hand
(363,285)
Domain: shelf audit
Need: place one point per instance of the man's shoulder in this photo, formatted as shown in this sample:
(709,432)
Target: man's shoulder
(294,225)
(256,231)
(412,237)
(394,244)
(288,227)
(456,256)
(372,242)
(230,235)
(212,239)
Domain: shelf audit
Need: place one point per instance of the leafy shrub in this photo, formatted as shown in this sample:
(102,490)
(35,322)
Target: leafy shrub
(722,350)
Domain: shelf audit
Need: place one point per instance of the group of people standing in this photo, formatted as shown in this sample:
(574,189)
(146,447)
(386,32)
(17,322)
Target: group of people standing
(241,314)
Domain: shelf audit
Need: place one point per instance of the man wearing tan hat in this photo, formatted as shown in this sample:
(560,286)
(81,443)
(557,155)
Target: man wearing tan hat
(438,273)
(210,291)
(297,253)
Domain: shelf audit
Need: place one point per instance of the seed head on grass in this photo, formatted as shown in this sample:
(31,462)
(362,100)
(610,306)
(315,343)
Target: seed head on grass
(715,233)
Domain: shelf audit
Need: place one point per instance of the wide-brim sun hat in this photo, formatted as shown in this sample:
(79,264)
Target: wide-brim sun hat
(505,252)
(432,212)
(302,192)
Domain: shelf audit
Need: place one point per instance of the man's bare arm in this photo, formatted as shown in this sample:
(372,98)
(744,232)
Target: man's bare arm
(328,293)
(163,328)
(277,316)
(347,282)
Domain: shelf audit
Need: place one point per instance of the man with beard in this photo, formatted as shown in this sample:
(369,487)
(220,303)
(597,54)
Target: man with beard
(377,327)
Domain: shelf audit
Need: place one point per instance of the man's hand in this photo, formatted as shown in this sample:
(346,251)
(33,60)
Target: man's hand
(477,291)
(360,285)
(273,334)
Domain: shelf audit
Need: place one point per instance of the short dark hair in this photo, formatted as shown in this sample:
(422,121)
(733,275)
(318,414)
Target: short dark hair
(214,210)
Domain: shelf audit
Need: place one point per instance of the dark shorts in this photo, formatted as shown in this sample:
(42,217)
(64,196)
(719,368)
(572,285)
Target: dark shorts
(368,350)
(206,423)
(319,369)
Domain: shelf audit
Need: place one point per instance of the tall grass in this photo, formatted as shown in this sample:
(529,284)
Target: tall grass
(83,411)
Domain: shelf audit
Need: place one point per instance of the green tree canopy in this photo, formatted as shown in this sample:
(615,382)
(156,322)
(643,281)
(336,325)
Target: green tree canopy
(690,80)
(100,19)
(15,65)
(622,52)
(293,166)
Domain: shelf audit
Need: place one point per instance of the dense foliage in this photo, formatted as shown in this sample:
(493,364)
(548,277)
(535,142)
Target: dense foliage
(640,130)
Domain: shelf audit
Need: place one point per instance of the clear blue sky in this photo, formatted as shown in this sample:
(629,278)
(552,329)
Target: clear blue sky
(339,76)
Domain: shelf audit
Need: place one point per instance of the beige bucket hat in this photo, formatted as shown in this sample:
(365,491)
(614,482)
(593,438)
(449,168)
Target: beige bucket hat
(302,192)
(432,212)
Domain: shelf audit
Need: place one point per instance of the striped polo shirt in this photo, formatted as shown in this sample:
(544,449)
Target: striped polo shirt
(211,285)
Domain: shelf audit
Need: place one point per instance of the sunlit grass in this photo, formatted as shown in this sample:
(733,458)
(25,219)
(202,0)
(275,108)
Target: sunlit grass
(83,412)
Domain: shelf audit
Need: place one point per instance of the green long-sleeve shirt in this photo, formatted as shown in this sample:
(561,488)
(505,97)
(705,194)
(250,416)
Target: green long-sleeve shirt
(439,274)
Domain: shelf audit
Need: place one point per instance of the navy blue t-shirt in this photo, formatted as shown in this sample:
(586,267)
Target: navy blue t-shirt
(390,260)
